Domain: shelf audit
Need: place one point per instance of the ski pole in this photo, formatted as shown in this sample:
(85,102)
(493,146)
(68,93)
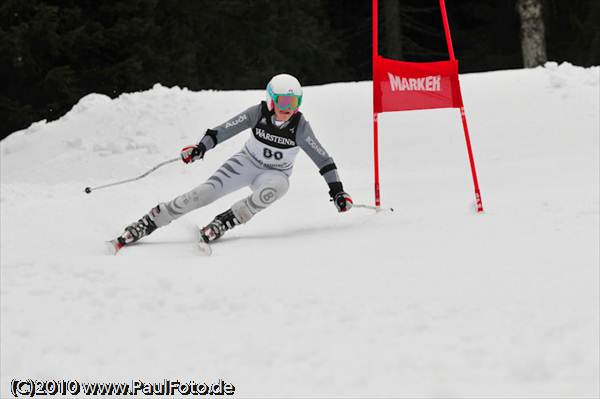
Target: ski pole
(376,208)
(88,190)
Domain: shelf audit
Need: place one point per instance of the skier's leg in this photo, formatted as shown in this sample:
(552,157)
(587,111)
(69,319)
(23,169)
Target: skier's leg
(235,173)
(266,189)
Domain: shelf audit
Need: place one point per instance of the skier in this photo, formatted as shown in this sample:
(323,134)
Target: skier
(265,164)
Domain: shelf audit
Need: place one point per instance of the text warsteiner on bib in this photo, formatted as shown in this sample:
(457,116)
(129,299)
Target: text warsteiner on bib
(269,134)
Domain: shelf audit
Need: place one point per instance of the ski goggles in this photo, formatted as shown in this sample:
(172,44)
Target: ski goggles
(286,101)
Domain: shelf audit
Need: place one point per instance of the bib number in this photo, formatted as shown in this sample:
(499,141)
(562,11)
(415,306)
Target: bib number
(267,153)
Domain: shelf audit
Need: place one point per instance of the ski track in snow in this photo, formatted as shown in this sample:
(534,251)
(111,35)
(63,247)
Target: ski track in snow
(430,300)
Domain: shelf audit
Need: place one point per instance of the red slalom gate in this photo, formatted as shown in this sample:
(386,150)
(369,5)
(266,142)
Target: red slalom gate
(404,86)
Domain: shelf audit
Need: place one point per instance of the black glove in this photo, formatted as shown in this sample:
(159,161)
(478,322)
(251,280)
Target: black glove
(340,198)
(192,153)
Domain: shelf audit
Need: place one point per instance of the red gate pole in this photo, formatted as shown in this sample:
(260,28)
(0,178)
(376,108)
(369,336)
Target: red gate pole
(374,29)
(478,200)
(376,155)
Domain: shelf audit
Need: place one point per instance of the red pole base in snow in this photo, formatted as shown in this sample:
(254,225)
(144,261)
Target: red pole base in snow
(478,201)
(374,32)
(376,159)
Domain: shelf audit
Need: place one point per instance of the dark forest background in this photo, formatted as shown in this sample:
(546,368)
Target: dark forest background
(53,52)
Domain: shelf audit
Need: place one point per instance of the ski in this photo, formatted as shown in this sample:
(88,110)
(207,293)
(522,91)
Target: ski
(113,246)
(204,248)
(202,245)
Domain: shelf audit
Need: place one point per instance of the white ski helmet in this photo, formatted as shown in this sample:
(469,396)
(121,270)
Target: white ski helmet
(281,89)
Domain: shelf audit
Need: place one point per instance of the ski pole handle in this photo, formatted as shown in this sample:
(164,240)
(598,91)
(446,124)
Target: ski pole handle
(88,190)
(375,208)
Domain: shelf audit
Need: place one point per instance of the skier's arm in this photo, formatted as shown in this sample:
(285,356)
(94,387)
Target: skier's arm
(230,128)
(308,142)
(306,139)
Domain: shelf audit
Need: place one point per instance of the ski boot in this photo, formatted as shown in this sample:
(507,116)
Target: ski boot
(134,232)
(220,224)
(137,230)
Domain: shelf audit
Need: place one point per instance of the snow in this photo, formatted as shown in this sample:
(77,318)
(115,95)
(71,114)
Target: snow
(432,300)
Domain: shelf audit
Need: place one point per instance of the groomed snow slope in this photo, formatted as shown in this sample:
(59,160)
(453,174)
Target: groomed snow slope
(431,300)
